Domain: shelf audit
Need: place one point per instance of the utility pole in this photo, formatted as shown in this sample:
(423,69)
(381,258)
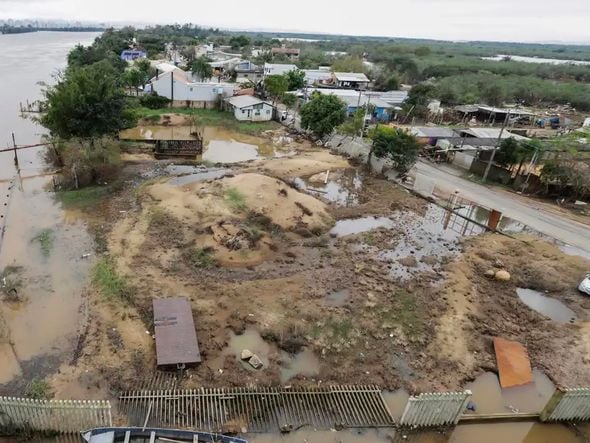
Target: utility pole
(491,160)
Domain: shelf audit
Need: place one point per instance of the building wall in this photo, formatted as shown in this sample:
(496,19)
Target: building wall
(464,159)
(199,92)
(262,115)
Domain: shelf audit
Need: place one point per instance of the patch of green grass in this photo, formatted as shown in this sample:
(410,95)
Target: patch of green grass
(337,329)
(38,389)
(236,199)
(210,117)
(83,197)
(45,239)
(406,313)
(200,257)
(108,281)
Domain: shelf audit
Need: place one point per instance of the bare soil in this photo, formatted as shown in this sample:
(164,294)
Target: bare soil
(253,253)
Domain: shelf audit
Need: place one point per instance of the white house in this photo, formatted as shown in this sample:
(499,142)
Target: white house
(351,80)
(321,76)
(246,107)
(178,86)
(277,69)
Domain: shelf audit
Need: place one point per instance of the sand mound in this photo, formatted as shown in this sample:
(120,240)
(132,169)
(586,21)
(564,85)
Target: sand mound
(284,205)
(304,164)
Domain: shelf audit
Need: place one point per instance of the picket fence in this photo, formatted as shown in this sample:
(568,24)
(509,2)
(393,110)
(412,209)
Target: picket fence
(436,409)
(62,416)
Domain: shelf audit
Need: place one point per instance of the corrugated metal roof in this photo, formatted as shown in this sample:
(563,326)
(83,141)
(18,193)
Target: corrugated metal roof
(491,133)
(351,77)
(433,132)
(176,338)
(242,101)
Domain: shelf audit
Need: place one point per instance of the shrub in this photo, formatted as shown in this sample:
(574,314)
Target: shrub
(154,101)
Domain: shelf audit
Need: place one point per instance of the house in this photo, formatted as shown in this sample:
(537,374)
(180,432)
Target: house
(246,71)
(432,134)
(351,80)
(249,108)
(221,66)
(394,98)
(321,76)
(130,55)
(490,133)
(178,86)
(278,69)
(291,53)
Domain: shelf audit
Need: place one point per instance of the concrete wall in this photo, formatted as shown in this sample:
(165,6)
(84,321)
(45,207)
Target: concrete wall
(496,174)
(464,159)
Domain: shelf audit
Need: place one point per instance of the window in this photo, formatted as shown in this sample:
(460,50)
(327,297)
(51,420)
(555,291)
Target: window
(243,111)
(191,89)
(267,111)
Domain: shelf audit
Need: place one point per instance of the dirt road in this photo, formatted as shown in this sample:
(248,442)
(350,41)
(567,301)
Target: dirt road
(548,223)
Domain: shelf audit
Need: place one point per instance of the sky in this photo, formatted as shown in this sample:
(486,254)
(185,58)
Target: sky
(498,20)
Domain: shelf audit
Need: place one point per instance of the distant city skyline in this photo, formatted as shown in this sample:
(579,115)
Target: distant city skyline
(500,20)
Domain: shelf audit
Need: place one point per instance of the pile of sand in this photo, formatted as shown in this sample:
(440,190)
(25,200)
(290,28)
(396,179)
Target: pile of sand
(304,165)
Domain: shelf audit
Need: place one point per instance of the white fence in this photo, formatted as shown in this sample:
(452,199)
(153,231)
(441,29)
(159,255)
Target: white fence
(568,405)
(429,410)
(53,415)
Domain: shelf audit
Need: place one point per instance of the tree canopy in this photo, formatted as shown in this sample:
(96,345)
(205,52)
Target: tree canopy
(396,145)
(276,86)
(88,101)
(322,114)
(295,79)
(201,68)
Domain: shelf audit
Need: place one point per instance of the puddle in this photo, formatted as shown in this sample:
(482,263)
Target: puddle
(229,151)
(338,298)
(343,189)
(396,402)
(358,225)
(573,250)
(304,363)
(489,397)
(250,340)
(547,306)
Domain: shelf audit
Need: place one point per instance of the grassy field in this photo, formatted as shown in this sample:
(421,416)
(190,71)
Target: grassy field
(212,117)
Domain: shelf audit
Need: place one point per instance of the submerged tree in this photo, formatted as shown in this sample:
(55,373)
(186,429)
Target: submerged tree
(396,145)
(322,114)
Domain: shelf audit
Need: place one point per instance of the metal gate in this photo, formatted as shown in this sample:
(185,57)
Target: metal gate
(568,405)
(258,409)
(440,409)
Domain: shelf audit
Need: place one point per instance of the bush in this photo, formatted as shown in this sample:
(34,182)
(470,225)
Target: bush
(108,281)
(154,101)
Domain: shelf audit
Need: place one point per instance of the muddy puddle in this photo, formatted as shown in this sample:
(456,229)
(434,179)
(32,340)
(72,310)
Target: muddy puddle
(550,307)
(196,174)
(351,226)
(304,363)
(489,397)
(341,187)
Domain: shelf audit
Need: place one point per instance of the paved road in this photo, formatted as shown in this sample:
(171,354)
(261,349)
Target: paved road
(551,224)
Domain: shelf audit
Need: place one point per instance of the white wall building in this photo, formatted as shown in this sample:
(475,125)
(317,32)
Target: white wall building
(178,86)
(277,69)
(248,108)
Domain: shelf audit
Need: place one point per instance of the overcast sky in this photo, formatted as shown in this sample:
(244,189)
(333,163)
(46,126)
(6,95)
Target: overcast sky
(503,20)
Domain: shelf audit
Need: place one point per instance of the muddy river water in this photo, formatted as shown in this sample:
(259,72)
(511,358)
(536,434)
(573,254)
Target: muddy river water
(42,323)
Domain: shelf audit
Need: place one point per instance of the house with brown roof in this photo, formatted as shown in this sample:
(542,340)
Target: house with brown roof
(291,53)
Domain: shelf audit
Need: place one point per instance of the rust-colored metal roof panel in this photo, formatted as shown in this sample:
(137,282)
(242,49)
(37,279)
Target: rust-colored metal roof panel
(514,365)
(176,338)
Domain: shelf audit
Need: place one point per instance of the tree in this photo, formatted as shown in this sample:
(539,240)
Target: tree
(86,102)
(418,99)
(290,100)
(354,125)
(396,145)
(322,114)
(188,53)
(201,68)
(154,101)
(239,41)
(386,83)
(508,153)
(295,79)
(133,78)
(276,86)
(349,64)
(146,69)
(422,51)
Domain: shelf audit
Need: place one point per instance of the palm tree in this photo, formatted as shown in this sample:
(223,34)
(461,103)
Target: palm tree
(201,68)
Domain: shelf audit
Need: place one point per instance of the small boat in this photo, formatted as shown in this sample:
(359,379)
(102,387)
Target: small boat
(154,435)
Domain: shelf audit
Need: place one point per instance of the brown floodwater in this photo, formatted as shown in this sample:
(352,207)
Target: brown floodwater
(550,307)
(45,312)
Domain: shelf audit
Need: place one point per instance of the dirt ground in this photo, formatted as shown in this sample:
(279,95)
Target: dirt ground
(256,256)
